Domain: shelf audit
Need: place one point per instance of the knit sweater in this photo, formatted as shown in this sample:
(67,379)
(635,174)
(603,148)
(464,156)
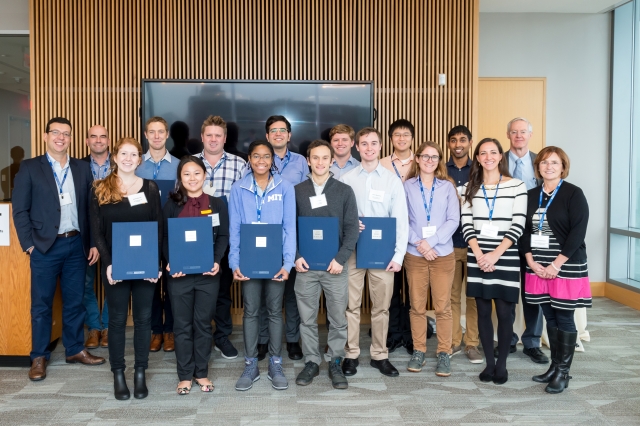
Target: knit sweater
(341,203)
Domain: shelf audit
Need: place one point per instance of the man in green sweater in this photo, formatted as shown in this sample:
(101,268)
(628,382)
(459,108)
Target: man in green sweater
(324,196)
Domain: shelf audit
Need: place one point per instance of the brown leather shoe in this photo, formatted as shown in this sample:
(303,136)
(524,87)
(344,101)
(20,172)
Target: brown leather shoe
(169,343)
(156,343)
(38,370)
(84,357)
(93,340)
(105,338)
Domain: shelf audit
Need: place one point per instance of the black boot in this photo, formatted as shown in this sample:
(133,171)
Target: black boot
(553,345)
(564,354)
(139,384)
(120,389)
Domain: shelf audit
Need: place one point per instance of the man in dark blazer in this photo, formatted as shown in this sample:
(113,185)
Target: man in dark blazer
(51,215)
(520,163)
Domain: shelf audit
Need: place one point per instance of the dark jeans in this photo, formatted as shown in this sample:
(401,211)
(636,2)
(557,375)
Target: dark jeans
(252,296)
(118,295)
(562,319)
(222,316)
(399,321)
(65,259)
(162,304)
(193,299)
(292,316)
(532,316)
(92,318)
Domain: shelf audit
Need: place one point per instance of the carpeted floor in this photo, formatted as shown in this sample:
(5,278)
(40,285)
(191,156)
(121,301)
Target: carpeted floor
(605,390)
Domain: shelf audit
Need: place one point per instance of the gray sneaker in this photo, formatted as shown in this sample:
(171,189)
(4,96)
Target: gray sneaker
(307,374)
(338,380)
(416,362)
(278,381)
(249,375)
(443,369)
(474,355)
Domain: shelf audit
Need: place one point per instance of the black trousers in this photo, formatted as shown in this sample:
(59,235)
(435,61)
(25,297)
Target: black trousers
(224,325)
(162,305)
(399,321)
(118,295)
(193,299)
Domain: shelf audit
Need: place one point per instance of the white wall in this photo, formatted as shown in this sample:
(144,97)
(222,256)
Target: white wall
(14,15)
(573,52)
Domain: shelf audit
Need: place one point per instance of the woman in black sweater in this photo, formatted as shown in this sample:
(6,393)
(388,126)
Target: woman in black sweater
(193,297)
(557,276)
(124,197)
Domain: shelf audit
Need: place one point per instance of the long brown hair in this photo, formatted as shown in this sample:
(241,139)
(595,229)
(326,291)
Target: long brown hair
(440,172)
(107,189)
(476,174)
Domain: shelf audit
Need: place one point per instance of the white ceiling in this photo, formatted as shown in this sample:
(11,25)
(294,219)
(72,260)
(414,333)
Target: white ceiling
(548,6)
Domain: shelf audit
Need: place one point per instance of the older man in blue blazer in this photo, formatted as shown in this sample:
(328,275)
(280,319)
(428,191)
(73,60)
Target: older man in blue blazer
(51,215)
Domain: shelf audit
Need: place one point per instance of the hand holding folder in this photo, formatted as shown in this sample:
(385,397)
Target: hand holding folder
(190,245)
(318,241)
(377,243)
(135,250)
(261,252)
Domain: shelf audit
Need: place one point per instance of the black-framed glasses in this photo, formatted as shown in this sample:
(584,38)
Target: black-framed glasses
(426,157)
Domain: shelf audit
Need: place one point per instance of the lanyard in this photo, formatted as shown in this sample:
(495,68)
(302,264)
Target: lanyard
(493,204)
(55,175)
(260,200)
(97,176)
(157,170)
(396,169)
(213,172)
(285,161)
(541,215)
(427,208)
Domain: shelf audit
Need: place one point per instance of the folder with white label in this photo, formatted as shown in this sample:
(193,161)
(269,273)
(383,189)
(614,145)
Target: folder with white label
(190,245)
(377,243)
(260,250)
(318,241)
(134,250)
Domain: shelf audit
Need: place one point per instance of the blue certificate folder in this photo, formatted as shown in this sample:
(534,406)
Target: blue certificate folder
(190,245)
(318,241)
(377,243)
(260,250)
(165,186)
(134,250)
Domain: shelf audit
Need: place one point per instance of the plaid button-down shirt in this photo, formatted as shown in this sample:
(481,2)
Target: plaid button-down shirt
(225,172)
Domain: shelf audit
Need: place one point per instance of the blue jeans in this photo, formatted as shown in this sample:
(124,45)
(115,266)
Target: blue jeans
(90,302)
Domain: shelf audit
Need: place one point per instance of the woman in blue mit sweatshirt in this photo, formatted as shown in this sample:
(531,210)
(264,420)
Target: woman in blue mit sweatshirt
(262,196)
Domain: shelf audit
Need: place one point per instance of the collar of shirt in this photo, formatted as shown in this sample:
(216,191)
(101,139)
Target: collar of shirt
(394,157)
(349,161)
(167,156)
(315,185)
(526,160)
(95,166)
(207,164)
(57,163)
(450,163)
(379,169)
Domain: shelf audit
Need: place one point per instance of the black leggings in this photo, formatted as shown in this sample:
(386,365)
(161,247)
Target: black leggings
(562,319)
(485,329)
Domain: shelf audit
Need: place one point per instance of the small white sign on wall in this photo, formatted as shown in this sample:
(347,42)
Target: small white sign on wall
(4,225)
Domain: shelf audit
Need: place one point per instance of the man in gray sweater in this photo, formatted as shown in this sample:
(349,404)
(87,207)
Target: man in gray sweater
(324,196)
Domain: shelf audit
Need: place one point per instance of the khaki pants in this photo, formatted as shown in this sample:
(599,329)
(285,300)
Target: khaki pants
(471,335)
(380,291)
(437,274)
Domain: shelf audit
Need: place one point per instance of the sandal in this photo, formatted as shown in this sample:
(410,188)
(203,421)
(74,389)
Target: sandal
(208,387)
(184,390)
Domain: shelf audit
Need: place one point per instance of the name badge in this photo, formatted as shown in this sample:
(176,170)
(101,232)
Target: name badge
(135,240)
(135,199)
(318,234)
(190,236)
(376,195)
(208,211)
(489,230)
(65,199)
(258,223)
(428,231)
(318,201)
(376,234)
(540,241)
(261,241)
(209,190)
(215,219)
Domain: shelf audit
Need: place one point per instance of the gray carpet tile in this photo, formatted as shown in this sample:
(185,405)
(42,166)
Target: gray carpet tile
(605,389)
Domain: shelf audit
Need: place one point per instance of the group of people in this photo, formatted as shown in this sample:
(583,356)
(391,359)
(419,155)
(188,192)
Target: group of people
(507,223)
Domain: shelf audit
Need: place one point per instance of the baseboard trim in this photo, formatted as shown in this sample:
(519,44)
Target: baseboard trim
(622,295)
(598,289)
(15,361)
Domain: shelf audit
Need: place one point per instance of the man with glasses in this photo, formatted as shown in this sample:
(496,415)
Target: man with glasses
(520,162)
(51,215)
(401,133)
(159,164)
(98,142)
(293,168)
(223,169)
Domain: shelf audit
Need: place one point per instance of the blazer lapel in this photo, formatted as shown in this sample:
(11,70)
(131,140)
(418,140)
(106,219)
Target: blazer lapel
(47,171)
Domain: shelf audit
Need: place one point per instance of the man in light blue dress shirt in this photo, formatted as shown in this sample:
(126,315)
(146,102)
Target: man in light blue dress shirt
(342,139)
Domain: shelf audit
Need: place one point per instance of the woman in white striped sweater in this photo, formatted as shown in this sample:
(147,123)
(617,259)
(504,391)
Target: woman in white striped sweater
(493,217)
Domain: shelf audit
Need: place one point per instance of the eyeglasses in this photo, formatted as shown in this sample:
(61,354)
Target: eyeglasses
(550,163)
(281,130)
(432,158)
(57,133)
(521,132)
(402,135)
(257,157)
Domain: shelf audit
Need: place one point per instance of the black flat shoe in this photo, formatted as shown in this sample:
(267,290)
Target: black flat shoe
(486,377)
(295,351)
(349,366)
(385,367)
(140,390)
(501,380)
(120,389)
(394,344)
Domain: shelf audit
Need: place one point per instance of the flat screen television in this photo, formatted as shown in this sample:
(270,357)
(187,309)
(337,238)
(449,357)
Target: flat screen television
(312,107)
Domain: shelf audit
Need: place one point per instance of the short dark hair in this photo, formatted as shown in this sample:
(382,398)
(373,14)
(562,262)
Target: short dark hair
(276,118)
(60,120)
(317,143)
(401,124)
(179,194)
(457,130)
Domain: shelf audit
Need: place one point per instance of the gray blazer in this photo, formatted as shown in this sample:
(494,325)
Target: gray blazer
(533,158)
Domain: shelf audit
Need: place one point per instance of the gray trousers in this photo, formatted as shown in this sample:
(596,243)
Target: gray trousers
(291,315)
(252,298)
(336,291)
